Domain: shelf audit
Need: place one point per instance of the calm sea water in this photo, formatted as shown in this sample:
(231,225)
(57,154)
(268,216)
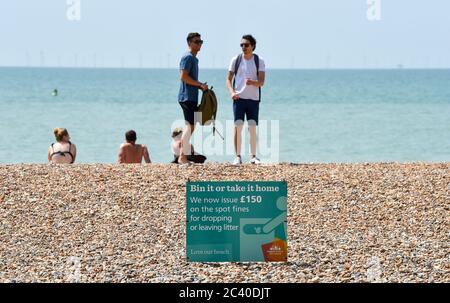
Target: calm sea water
(323,115)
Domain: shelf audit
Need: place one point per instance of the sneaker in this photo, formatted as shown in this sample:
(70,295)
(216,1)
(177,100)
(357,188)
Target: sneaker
(255,160)
(237,161)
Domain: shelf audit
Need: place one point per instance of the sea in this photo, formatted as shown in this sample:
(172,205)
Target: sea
(306,116)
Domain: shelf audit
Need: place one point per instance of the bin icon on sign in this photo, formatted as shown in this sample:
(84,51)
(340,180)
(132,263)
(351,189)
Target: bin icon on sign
(265,239)
(252,238)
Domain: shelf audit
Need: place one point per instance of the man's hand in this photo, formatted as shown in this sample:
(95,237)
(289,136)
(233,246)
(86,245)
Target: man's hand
(234,96)
(204,87)
(251,82)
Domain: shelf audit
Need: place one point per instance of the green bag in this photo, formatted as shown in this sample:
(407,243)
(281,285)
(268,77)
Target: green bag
(208,109)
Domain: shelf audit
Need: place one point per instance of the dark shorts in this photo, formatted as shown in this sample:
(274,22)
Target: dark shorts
(244,107)
(192,158)
(189,109)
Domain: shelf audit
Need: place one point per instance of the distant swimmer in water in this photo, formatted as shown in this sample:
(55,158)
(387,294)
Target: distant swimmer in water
(63,151)
(55,92)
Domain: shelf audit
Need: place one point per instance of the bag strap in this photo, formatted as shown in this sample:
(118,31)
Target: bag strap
(257,72)
(236,67)
(256,57)
(213,96)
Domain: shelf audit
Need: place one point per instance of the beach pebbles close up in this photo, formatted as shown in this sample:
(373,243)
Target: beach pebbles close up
(382,222)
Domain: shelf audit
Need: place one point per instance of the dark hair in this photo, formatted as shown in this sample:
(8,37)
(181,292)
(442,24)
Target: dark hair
(251,39)
(130,136)
(192,36)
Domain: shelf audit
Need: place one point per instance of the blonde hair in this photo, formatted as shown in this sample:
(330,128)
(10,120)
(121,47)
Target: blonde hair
(176,132)
(60,133)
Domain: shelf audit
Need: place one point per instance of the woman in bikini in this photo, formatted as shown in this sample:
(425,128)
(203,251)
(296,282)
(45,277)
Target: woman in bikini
(63,151)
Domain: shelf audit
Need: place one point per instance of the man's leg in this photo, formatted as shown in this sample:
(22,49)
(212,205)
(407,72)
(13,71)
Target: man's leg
(253,138)
(239,116)
(253,118)
(238,138)
(189,109)
(185,143)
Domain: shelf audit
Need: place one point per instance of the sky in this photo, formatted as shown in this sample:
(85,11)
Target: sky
(290,33)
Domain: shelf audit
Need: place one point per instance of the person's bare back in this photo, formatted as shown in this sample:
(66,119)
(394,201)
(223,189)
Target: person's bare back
(130,153)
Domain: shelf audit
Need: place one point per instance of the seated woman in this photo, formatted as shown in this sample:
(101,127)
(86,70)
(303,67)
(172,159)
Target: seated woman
(176,149)
(63,151)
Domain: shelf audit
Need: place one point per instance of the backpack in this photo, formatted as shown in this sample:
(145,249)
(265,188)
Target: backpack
(208,108)
(236,67)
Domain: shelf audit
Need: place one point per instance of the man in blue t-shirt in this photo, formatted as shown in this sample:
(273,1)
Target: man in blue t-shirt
(188,94)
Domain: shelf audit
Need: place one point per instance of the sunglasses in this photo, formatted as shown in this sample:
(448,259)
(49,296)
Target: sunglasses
(245,45)
(198,41)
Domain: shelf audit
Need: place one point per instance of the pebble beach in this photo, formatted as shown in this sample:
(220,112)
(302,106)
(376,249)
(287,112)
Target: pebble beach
(377,222)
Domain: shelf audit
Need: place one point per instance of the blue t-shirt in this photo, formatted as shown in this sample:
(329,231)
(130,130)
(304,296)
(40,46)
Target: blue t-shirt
(188,92)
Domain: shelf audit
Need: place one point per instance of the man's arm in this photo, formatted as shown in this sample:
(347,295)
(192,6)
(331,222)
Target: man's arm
(233,94)
(184,76)
(261,79)
(260,82)
(146,155)
(121,157)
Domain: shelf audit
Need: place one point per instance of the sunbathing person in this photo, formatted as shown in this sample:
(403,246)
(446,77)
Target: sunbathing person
(63,151)
(176,149)
(130,152)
